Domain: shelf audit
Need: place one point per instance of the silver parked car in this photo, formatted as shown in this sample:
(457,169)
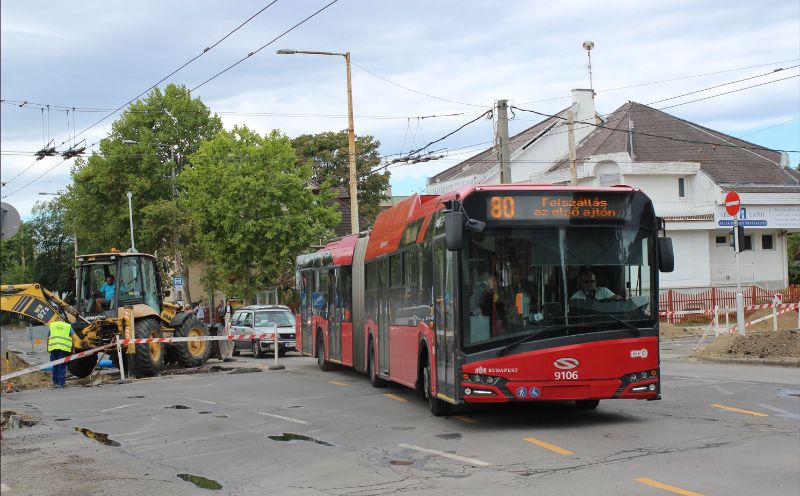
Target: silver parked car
(255,319)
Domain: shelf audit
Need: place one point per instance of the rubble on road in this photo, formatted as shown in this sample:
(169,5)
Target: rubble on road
(780,344)
(10,362)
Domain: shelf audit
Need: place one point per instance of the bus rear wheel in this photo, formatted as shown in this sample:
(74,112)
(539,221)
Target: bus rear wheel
(438,407)
(324,365)
(374,378)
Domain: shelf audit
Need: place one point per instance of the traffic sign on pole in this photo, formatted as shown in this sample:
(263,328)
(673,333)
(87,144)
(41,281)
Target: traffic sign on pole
(732,203)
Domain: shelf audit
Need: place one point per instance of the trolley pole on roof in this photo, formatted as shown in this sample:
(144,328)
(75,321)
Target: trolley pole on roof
(502,141)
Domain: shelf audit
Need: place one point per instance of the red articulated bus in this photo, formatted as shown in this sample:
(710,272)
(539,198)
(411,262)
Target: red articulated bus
(495,294)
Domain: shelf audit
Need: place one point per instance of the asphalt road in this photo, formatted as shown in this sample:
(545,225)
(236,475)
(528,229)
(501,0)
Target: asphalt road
(721,429)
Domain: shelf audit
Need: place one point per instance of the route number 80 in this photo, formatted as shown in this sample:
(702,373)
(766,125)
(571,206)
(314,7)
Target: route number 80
(502,207)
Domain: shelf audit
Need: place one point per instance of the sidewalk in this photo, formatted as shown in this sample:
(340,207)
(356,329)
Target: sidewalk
(22,340)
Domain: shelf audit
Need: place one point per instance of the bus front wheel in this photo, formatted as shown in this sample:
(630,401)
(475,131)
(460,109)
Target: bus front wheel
(438,407)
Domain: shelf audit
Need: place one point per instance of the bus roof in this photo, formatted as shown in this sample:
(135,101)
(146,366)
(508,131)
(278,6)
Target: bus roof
(390,225)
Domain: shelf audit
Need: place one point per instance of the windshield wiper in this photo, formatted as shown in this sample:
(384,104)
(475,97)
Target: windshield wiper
(634,330)
(509,347)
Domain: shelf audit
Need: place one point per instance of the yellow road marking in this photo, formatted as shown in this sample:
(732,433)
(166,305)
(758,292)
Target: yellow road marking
(666,487)
(546,445)
(339,383)
(396,398)
(466,420)
(739,410)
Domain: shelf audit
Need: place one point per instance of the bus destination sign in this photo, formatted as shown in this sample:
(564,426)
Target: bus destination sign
(553,207)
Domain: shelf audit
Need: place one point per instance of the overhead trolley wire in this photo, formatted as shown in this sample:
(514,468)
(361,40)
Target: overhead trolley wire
(413,90)
(263,46)
(205,50)
(725,84)
(761,148)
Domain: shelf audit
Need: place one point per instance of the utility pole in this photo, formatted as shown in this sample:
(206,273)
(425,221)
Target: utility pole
(179,268)
(351,148)
(573,168)
(502,138)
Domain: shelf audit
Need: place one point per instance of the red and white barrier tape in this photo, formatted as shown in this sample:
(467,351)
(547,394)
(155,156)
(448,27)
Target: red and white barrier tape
(686,312)
(241,337)
(789,308)
(125,342)
(55,362)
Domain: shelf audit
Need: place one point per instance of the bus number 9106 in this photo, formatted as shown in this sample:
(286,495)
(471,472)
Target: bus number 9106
(566,375)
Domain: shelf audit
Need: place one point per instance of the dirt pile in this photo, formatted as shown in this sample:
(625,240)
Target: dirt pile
(785,321)
(781,344)
(10,362)
(667,330)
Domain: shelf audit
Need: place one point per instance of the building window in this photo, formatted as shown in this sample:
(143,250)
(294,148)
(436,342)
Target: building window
(748,243)
(767,242)
(681,187)
(721,240)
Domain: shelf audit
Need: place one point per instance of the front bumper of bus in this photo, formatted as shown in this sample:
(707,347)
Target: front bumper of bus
(642,385)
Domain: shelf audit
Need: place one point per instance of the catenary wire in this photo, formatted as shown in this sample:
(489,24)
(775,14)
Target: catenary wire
(206,50)
(263,46)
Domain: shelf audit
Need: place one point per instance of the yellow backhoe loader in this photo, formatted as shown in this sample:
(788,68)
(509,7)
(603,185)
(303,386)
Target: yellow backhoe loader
(136,310)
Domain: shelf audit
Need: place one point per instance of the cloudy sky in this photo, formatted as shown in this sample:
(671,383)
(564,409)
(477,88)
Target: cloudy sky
(421,69)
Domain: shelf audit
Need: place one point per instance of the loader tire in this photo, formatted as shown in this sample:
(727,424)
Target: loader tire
(149,356)
(82,367)
(192,353)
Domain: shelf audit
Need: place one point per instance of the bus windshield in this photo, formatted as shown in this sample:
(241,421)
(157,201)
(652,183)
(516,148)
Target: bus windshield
(566,280)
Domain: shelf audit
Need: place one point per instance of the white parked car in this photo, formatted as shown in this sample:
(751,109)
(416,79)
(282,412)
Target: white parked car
(255,319)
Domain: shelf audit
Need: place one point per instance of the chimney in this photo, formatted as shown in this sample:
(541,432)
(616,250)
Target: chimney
(583,103)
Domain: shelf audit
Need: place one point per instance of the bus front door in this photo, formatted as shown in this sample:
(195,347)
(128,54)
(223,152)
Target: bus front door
(383,318)
(307,311)
(335,317)
(444,277)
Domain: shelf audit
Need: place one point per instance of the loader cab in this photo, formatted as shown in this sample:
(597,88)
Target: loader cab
(136,281)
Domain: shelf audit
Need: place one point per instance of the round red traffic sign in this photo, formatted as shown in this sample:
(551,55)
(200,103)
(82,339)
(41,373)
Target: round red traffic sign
(732,203)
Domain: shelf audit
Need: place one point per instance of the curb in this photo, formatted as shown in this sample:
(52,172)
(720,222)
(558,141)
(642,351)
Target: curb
(778,362)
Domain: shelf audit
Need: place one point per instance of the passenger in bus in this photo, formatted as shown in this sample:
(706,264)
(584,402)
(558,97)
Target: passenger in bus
(589,290)
(480,302)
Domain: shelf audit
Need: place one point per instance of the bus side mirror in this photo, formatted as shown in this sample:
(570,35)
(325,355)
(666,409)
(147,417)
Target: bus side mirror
(666,257)
(454,230)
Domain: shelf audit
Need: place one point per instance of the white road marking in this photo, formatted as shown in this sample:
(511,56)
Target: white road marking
(723,391)
(290,419)
(471,461)
(118,407)
(783,413)
(202,401)
(4,488)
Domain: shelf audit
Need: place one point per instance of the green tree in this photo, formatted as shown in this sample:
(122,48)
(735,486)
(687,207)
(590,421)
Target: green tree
(329,154)
(252,209)
(16,256)
(54,247)
(793,252)
(150,144)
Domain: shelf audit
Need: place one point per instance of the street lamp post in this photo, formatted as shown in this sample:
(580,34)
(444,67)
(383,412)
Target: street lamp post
(351,135)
